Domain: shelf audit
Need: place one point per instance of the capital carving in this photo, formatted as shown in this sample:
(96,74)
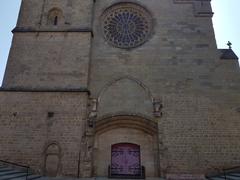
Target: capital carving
(157,107)
(92,112)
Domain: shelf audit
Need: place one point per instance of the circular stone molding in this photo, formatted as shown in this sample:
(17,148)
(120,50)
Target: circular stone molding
(126,25)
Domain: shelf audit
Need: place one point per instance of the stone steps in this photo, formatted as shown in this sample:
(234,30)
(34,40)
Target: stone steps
(11,173)
(96,178)
(228,176)
(147,178)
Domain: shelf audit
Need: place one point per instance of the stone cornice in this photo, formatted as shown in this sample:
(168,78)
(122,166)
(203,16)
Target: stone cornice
(31,30)
(85,90)
(201,8)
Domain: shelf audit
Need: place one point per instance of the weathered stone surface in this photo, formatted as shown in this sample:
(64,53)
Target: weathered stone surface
(27,130)
(70,95)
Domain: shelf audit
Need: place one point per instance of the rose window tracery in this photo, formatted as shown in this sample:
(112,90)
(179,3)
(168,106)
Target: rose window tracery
(126,25)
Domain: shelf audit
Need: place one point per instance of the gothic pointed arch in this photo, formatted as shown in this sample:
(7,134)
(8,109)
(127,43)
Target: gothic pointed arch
(130,78)
(125,95)
(127,129)
(139,122)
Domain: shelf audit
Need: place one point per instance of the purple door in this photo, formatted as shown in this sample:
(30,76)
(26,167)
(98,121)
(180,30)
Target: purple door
(126,159)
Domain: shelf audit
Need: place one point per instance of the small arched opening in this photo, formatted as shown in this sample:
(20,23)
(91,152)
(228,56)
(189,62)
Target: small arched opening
(55,17)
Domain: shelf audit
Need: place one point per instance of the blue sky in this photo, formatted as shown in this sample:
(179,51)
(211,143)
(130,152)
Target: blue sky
(226,24)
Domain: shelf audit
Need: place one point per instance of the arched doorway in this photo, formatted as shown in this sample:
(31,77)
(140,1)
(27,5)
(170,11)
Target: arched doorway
(123,144)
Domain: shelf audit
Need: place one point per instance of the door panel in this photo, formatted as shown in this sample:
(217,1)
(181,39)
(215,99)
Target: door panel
(126,159)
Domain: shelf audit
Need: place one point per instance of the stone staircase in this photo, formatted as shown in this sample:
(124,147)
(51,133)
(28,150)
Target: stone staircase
(13,172)
(227,174)
(147,178)
(95,178)
(230,176)
(8,172)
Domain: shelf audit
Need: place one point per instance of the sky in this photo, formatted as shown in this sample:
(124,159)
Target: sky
(226,23)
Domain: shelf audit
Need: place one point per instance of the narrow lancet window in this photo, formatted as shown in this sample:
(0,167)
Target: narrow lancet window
(55,21)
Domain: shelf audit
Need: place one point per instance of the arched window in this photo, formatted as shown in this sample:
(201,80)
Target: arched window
(55,17)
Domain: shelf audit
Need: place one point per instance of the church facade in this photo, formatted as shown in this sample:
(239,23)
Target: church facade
(122,89)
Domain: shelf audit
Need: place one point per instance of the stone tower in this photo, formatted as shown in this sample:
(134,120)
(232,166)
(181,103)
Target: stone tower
(120,89)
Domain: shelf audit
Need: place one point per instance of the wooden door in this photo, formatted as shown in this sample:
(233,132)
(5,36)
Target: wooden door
(125,160)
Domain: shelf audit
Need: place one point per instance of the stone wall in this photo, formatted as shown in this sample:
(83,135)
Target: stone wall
(176,96)
(52,56)
(199,133)
(180,66)
(179,52)
(34,14)
(47,60)
(32,121)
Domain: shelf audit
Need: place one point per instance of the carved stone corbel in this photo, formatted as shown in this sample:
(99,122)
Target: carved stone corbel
(92,115)
(157,107)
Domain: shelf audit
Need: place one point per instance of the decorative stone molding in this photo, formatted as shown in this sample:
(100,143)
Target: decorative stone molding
(185,177)
(86,154)
(132,121)
(182,1)
(92,112)
(157,107)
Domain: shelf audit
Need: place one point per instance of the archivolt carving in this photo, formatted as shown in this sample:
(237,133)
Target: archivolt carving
(136,122)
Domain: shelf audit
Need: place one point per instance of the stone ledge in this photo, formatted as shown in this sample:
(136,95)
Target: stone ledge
(27,30)
(185,177)
(44,90)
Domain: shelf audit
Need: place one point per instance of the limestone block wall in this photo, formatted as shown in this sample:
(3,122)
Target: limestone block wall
(229,79)
(34,14)
(179,52)
(51,45)
(180,65)
(197,133)
(200,132)
(48,60)
(32,121)
(125,96)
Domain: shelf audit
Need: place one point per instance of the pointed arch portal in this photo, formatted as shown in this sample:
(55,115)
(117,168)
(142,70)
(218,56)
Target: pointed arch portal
(125,146)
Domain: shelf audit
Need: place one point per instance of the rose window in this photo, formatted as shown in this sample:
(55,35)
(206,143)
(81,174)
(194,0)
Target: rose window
(126,25)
